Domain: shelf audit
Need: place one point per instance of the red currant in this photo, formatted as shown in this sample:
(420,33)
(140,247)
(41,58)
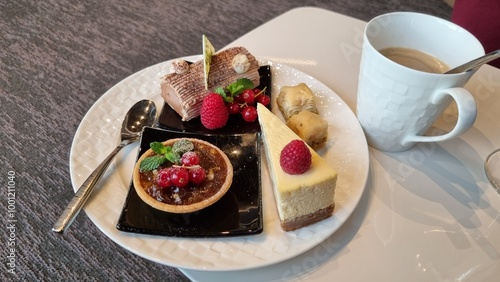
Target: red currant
(249,113)
(190,158)
(239,99)
(257,91)
(248,96)
(163,178)
(180,177)
(197,175)
(264,99)
(233,107)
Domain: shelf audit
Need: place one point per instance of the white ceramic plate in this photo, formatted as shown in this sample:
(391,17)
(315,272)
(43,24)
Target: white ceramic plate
(98,134)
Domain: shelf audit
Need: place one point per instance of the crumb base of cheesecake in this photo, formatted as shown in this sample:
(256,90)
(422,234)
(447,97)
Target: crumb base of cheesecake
(308,219)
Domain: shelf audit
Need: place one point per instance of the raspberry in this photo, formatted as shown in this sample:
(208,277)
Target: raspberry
(214,113)
(295,158)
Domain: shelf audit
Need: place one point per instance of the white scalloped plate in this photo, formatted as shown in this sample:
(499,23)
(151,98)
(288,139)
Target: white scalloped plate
(98,134)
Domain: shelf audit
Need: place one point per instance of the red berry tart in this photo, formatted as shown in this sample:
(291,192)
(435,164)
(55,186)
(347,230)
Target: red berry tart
(182,175)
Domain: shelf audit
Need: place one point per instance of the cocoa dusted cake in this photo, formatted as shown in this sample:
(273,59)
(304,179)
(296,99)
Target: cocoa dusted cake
(184,88)
(221,88)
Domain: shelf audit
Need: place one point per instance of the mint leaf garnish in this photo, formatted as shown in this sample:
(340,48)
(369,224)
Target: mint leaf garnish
(165,153)
(158,148)
(220,90)
(173,157)
(239,86)
(152,162)
(182,146)
(234,89)
(227,98)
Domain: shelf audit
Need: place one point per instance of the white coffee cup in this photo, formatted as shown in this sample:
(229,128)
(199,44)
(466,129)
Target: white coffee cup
(396,104)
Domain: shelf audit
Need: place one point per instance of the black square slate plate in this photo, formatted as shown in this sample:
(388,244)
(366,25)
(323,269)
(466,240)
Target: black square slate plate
(238,212)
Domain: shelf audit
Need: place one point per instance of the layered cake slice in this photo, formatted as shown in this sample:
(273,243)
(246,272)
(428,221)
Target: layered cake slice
(301,199)
(184,89)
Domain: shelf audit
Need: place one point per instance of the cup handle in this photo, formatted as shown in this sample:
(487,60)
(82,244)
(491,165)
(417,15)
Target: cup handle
(467,112)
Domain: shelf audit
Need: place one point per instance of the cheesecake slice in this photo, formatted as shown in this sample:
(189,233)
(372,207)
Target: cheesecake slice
(301,199)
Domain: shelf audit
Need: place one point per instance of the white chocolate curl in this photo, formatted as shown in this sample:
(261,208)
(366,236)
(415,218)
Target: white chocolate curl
(179,66)
(240,63)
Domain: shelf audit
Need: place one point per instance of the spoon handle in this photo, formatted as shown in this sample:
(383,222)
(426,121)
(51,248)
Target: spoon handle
(475,64)
(82,195)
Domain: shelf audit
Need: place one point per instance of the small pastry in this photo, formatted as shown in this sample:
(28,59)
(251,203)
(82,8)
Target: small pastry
(310,127)
(298,107)
(294,99)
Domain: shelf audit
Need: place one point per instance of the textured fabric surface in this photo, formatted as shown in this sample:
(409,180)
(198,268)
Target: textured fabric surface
(481,18)
(57,59)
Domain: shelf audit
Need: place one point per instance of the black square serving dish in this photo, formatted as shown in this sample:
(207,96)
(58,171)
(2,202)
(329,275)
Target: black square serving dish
(238,212)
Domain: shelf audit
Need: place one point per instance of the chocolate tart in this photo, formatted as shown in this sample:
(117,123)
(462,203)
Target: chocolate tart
(190,198)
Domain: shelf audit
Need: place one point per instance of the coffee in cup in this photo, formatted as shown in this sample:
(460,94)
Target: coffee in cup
(396,102)
(415,59)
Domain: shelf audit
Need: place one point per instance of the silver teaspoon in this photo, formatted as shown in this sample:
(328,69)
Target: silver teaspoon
(476,63)
(142,114)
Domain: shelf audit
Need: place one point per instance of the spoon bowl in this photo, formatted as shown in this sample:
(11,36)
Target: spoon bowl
(142,114)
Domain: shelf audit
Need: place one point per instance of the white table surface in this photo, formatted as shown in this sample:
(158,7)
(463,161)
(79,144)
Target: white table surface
(428,214)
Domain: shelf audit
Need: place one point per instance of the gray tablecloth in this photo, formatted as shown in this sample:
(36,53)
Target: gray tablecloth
(57,59)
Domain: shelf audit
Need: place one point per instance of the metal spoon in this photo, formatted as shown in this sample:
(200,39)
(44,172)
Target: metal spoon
(142,114)
(476,63)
